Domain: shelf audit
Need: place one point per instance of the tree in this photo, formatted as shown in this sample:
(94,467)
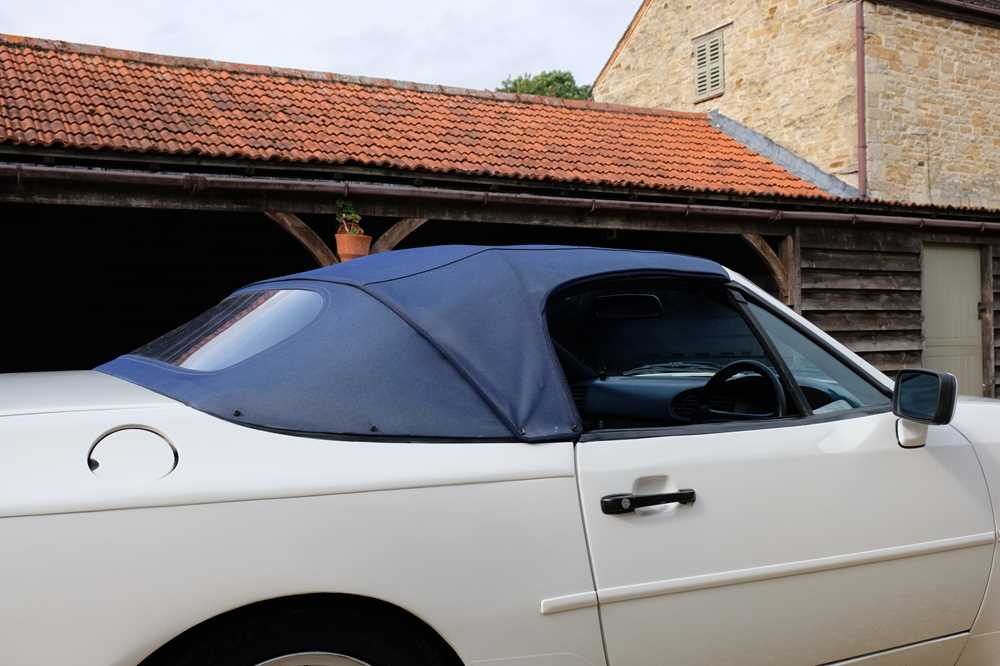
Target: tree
(554,83)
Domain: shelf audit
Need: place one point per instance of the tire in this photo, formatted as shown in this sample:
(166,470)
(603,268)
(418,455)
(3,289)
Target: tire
(302,635)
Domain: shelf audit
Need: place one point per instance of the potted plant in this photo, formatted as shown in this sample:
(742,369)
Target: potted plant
(351,239)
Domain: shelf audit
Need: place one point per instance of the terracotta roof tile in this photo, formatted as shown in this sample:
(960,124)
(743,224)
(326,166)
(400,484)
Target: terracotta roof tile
(76,96)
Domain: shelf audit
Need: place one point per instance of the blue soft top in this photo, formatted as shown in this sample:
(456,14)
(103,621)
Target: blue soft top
(439,342)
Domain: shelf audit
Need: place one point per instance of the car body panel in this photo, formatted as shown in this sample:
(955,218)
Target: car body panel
(71,391)
(470,538)
(46,460)
(828,535)
(978,420)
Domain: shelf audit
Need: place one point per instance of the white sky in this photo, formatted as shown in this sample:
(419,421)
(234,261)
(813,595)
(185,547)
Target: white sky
(468,43)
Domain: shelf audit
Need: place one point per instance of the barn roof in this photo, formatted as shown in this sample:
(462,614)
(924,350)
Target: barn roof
(56,94)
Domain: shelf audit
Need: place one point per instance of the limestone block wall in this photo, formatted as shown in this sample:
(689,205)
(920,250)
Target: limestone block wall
(789,67)
(933,108)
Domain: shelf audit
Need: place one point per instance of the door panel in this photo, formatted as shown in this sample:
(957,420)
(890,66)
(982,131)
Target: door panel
(806,545)
(951,288)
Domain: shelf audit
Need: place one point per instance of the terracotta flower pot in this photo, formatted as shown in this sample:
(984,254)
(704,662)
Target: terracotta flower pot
(352,246)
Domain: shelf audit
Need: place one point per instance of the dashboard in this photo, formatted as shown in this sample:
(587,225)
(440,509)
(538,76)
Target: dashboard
(664,400)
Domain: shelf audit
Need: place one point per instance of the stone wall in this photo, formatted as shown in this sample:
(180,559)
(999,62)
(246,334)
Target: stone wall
(933,105)
(789,68)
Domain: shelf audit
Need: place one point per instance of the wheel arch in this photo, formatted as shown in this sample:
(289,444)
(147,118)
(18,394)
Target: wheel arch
(315,604)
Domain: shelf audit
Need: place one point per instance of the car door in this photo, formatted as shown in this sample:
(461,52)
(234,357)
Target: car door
(811,539)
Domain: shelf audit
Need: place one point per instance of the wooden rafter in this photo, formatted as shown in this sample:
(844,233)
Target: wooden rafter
(304,234)
(396,233)
(773,262)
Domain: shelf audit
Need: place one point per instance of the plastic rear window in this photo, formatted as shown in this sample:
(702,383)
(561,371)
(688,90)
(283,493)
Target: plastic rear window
(236,329)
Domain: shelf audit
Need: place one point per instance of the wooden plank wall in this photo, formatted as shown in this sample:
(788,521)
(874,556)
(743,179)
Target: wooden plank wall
(863,287)
(996,319)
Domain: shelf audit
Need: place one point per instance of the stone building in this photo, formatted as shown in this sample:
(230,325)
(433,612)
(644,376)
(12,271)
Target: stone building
(909,113)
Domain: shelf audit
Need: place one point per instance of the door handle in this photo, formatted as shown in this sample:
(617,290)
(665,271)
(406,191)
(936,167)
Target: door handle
(627,502)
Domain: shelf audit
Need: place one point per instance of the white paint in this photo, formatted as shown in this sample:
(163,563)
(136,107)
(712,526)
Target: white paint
(795,552)
(940,652)
(568,602)
(132,455)
(74,391)
(910,434)
(742,576)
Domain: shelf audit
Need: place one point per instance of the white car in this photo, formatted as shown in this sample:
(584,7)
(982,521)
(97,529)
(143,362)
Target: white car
(526,456)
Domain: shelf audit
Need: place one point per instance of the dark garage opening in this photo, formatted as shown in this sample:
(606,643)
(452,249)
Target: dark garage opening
(88,284)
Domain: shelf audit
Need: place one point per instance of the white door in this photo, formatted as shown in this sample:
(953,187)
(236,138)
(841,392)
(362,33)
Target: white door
(812,538)
(951,292)
(805,545)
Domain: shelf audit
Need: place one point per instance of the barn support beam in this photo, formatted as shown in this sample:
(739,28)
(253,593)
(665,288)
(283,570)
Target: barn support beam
(306,237)
(986,317)
(790,253)
(396,233)
(775,264)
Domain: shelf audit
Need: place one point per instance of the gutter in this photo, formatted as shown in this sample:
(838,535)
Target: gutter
(25,174)
(963,6)
(861,93)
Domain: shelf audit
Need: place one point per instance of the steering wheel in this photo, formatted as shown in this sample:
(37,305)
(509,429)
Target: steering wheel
(719,379)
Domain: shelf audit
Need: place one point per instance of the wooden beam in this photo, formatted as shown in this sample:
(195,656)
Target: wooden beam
(790,253)
(304,234)
(396,233)
(986,320)
(773,262)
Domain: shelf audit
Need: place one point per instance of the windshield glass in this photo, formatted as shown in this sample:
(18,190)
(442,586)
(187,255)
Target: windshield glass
(235,329)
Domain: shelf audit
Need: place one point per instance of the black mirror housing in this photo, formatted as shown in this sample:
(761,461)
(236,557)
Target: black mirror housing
(925,396)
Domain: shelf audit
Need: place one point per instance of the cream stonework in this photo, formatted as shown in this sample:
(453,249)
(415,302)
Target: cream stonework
(933,108)
(789,68)
(932,104)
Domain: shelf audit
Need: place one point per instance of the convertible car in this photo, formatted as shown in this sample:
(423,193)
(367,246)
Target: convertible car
(519,456)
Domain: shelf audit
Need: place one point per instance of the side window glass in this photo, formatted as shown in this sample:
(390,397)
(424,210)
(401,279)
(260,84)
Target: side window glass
(829,385)
(639,353)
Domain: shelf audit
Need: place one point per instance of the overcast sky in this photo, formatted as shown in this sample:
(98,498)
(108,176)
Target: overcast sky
(469,43)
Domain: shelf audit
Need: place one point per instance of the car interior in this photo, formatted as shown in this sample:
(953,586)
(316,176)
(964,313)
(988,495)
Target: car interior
(659,352)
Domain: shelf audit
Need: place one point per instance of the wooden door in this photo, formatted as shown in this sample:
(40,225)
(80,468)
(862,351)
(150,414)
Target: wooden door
(951,291)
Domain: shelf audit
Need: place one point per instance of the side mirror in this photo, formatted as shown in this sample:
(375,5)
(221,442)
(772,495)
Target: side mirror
(922,398)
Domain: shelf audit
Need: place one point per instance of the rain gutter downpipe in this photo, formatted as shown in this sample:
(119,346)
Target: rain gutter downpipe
(859,58)
(26,174)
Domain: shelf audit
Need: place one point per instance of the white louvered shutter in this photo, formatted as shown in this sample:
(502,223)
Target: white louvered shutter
(709,74)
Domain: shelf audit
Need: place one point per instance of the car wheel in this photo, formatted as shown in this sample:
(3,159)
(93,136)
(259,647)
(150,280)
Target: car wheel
(305,637)
(314,659)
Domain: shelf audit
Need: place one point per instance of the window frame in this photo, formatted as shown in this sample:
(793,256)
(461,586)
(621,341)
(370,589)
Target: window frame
(741,297)
(706,42)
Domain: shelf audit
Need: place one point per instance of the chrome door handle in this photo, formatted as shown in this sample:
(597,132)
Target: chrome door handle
(627,502)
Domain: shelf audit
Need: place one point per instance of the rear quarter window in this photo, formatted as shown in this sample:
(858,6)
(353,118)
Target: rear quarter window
(239,327)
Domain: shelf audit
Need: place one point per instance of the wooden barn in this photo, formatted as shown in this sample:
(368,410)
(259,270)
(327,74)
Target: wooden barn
(137,189)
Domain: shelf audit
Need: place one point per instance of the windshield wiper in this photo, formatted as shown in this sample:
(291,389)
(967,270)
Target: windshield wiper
(670,366)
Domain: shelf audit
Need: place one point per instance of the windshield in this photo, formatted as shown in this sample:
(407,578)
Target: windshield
(236,329)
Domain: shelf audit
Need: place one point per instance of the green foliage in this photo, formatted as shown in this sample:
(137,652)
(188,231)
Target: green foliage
(348,218)
(554,83)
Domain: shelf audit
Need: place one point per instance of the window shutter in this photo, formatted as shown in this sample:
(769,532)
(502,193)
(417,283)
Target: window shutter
(709,73)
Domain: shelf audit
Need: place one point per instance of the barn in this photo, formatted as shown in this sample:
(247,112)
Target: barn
(138,189)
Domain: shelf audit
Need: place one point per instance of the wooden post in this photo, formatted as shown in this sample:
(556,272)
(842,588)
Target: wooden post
(791,258)
(773,263)
(396,233)
(986,319)
(302,232)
